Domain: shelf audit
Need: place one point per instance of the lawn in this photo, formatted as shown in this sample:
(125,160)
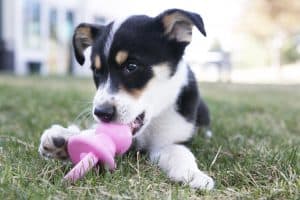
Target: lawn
(254,153)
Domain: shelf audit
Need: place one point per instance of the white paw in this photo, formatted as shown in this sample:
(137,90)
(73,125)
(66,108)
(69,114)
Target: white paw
(201,181)
(54,140)
(194,178)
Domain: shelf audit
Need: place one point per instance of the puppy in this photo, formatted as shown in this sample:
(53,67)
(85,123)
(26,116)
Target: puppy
(143,81)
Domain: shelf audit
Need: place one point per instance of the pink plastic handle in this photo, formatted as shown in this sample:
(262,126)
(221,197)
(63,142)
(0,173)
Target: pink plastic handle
(89,149)
(87,162)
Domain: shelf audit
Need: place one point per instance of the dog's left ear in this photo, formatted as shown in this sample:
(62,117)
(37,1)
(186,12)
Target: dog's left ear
(178,24)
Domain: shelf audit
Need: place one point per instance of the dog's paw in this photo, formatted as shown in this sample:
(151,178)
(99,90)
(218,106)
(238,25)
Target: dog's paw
(194,178)
(201,181)
(54,142)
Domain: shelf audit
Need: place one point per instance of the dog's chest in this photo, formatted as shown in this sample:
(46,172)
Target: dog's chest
(168,128)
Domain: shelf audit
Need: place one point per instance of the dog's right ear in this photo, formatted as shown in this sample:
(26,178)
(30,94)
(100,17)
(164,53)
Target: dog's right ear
(84,36)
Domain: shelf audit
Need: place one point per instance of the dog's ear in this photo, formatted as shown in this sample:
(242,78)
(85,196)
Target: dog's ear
(178,24)
(83,37)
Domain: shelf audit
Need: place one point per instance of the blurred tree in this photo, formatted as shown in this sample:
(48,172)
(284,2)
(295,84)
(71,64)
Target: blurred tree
(290,52)
(271,22)
(266,18)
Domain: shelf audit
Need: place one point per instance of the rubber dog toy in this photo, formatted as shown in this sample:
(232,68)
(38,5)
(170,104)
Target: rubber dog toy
(88,150)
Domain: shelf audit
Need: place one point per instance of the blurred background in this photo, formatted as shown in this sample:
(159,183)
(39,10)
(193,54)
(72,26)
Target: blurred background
(249,41)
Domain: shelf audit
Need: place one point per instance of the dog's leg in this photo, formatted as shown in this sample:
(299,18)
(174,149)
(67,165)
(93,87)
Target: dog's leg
(180,165)
(54,141)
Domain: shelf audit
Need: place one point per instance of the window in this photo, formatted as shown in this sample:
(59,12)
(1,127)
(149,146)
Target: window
(32,24)
(34,67)
(1,21)
(53,25)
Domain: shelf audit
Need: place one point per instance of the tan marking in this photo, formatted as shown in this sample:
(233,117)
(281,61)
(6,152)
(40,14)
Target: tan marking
(121,57)
(84,32)
(161,71)
(83,37)
(182,32)
(97,62)
(135,93)
(170,21)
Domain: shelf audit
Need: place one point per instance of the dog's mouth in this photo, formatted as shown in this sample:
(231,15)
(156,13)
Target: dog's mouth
(137,124)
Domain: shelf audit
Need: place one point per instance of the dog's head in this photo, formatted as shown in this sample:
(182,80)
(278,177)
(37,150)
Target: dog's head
(134,62)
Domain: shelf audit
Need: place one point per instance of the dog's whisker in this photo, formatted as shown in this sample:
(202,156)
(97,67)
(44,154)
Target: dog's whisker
(82,114)
(83,103)
(85,117)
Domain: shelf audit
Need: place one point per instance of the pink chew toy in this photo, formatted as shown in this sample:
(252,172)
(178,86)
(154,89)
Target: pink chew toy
(86,150)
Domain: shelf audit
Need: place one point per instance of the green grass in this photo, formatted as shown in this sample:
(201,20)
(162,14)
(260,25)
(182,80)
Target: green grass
(255,151)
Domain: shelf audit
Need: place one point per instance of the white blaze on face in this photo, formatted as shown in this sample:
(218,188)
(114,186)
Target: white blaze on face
(159,93)
(102,96)
(116,25)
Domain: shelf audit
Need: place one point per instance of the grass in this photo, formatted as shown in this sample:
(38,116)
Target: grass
(255,151)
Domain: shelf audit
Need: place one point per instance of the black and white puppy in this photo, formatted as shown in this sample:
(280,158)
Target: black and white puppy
(142,81)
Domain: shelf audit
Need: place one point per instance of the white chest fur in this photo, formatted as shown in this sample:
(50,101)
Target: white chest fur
(168,128)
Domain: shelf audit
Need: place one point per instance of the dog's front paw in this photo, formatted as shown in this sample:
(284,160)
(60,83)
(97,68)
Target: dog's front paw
(194,178)
(54,142)
(201,181)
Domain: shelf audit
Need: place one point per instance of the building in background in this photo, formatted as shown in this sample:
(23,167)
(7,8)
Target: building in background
(35,35)
(6,55)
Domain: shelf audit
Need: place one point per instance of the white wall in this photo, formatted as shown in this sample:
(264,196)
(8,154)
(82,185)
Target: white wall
(8,22)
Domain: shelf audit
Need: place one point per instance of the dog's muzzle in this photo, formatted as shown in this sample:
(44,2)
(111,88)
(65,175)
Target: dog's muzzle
(137,124)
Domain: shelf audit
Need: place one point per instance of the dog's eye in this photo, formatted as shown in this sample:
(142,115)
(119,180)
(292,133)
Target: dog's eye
(130,68)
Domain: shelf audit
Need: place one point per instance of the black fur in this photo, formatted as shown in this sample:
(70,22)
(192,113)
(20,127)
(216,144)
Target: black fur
(142,37)
(203,116)
(79,45)
(190,104)
(147,45)
(100,76)
(59,141)
(194,17)
(145,40)
(188,99)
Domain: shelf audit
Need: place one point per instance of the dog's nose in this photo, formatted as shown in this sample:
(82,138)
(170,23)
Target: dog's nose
(105,112)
